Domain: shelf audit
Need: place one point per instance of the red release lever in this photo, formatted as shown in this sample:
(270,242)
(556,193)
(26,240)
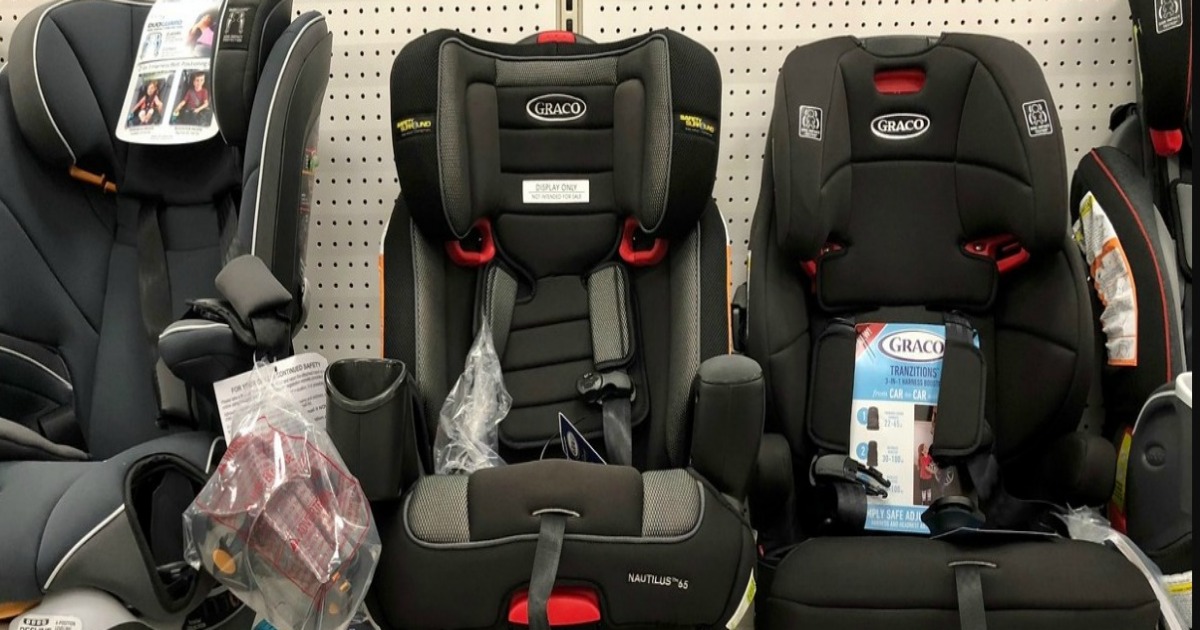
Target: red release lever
(1166,143)
(556,37)
(640,257)
(905,81)
(568,606)
(1003,248)
(470,258)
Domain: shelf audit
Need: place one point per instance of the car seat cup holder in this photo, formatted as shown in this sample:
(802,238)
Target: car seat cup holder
(370,420)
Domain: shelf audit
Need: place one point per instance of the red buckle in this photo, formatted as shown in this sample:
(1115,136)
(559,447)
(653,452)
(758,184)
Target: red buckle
(906,81)
(471,258)
(1003,248)
(810,266)
(640,257)
(556,37)
(1166,143)
(568,606)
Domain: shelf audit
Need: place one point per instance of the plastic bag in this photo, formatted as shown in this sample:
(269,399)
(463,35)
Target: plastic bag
(467,437)
(1087,524)
(281,522)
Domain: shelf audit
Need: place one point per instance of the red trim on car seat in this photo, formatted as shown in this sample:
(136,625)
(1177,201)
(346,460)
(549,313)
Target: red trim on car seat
(568,606)
(1004,249)
(556,37)
(1153,258)
(470,258)
(904,81)
(1166,143)
(636,257)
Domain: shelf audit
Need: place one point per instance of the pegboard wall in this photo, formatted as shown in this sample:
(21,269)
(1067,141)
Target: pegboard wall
(1085,47)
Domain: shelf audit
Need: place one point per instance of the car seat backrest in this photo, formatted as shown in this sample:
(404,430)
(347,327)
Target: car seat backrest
(76,243)
(901,166)
(566,154)
(1163,32)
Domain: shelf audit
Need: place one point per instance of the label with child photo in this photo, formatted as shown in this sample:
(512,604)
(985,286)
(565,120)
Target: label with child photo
(169,95)
(897,375)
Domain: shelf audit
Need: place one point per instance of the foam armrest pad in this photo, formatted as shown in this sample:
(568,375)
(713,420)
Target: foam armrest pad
(727,423)
(20,443)
(202,352)
(250,287)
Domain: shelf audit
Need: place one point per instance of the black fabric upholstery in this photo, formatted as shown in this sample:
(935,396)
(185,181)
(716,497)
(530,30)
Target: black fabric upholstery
(908,583)
(1163,31)
(248,32)
(631,141)
(1116,182)
(979,169)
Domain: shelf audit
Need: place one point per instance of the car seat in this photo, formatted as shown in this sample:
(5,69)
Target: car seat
(1141,181)
(104,244)
(559,192)
(927,185)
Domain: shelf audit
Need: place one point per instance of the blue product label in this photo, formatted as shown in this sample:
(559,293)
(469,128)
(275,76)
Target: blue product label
(897,375)
(574,445)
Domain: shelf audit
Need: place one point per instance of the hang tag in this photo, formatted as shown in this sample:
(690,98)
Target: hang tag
(574,445)
(303,376)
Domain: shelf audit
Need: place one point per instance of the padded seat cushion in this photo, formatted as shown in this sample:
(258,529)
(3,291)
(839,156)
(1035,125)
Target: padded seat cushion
(907,584)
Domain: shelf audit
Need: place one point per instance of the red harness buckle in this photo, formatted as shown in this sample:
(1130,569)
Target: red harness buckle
(810,266)
(1004,249)
(568,606)
(470,257)
(640,257)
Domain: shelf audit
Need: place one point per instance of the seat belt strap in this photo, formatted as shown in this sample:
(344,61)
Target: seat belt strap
(499,296)
(154,294)
(545,565)
(961,430)
(609,307)
(971,611)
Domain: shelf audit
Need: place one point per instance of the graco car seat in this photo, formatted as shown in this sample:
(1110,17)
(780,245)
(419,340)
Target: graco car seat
(104,244)
(560,192)
(928,185)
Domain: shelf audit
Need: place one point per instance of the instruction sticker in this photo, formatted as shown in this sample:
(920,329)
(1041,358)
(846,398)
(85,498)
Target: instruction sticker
(1037,118)
(1168,15)
(555,191)
(1113,279)
(169,96)
(48,622)
(302,376)
(897,375)
(812,122)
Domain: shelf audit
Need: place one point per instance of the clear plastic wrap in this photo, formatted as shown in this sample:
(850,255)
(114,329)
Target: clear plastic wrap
(281,522)
(467,436)
(1087,524)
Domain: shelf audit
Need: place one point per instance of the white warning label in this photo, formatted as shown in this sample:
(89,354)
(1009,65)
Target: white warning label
(555,191)
(47,622)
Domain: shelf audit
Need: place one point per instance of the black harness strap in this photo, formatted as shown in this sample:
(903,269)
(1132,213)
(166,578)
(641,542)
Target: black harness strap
(154,293)
(545,565)
(971,610)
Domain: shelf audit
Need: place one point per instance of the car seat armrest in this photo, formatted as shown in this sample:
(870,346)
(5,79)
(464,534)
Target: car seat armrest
(251,288)
(202,351)
(20,443)
(727,422)
(1079,468)
(773,483)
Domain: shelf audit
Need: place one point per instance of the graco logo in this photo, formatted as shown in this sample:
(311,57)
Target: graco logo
(556,108)
(900,126)
(811,122)
(915,346)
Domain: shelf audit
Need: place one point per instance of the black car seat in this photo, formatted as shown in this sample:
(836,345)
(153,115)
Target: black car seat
(927,184)
(1141,180)
(560,191)
(104,244)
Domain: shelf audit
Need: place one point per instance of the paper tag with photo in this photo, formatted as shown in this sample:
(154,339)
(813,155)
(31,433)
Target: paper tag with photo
(170,90)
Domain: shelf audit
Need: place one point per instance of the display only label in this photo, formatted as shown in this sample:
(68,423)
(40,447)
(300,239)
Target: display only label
(897,375)
(555,191)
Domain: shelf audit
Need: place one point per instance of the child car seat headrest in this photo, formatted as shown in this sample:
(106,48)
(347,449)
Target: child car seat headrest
(1163,30)
(892,156)
(629,127)
(70,64)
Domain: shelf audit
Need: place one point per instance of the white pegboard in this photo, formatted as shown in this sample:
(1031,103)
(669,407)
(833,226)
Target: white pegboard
(1085,48)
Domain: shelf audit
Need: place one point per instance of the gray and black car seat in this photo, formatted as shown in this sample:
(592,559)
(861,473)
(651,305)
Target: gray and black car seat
(927,184)
(560,192)
(103,245)
(1142,181)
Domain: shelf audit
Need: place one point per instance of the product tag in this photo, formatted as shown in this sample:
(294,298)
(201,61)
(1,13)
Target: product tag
(1179,589)
(48,622)
(1116,507)
(897,375)
(574,445)
(1113,279)
(555,191)
(170,89)
(302,376)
